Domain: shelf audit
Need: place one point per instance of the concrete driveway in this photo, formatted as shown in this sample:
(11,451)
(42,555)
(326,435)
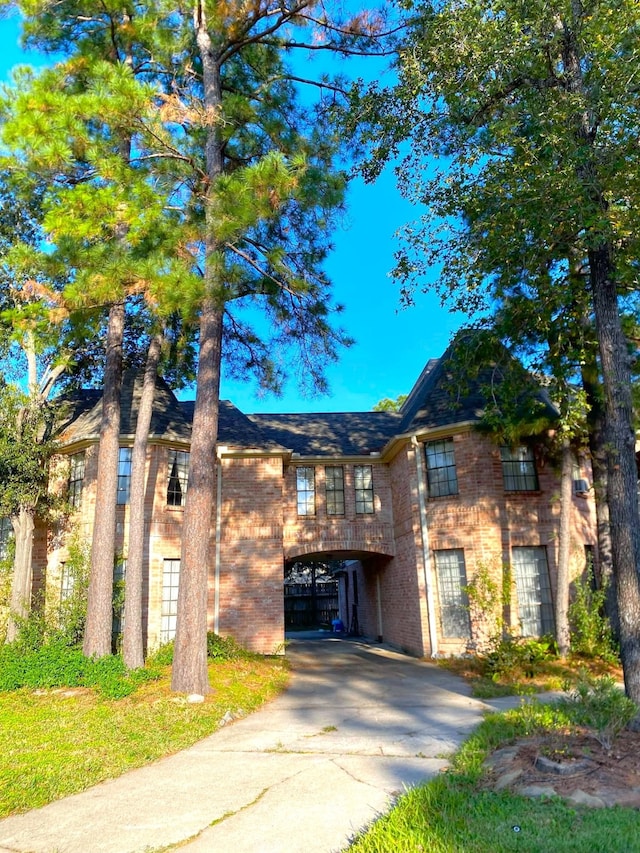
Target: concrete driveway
(358,726)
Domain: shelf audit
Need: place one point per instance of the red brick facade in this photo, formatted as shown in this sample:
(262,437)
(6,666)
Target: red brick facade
(258,529)
(400,547)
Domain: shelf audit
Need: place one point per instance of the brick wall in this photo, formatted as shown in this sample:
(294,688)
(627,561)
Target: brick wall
(260,529)
(251,562)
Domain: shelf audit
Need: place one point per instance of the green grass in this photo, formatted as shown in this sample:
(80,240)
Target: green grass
(57,742)
(454,814)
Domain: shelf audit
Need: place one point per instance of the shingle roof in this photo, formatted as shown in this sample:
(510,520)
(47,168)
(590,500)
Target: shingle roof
(330,434)
(82,411)
(234,427)
(438,399)
(444,395)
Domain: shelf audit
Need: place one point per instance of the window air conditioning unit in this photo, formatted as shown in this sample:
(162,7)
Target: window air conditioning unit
(581,488)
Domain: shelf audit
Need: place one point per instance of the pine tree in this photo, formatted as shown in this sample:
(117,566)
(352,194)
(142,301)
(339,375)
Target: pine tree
(247,173)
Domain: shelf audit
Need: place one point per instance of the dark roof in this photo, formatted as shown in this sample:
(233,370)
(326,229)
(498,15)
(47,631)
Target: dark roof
(234,427)
(439,399)
(331,433)
(448,392)
(83,411)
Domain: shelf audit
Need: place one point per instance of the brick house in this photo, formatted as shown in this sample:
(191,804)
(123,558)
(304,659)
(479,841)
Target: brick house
(417,502)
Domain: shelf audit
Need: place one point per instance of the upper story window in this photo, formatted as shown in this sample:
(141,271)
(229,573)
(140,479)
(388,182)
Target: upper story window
(178,472)
(363,480)
(306,490)
(334,489)
(76,479)
(441,468)
(519,469)
(124,475)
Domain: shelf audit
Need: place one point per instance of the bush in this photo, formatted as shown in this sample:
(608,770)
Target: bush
(162,656)
(218,648)
(223,648)
(512,657)
(600,705)
(591,634)
(57,665)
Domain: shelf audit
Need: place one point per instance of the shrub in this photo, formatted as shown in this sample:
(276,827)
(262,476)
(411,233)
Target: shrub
(600,705)
(515,656)
(218,648)
(591,634)
(68,616)
(110,676)
(486,600)
(55,664)
(223,648)
(162,656)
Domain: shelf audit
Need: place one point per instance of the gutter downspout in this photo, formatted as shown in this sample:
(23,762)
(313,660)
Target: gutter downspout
(218,556)
(426,550)
(379,606)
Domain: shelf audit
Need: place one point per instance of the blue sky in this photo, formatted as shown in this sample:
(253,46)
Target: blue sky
(392,344)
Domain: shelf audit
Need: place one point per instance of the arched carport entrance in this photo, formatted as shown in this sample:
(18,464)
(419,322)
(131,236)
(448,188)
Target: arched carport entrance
(335,590)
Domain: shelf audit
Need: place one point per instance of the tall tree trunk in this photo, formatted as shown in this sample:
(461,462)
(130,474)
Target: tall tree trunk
(619,437)
(564,551)
(190,674)
(23,526)
(622,472)
(599,455)
(97,637)
(132,643)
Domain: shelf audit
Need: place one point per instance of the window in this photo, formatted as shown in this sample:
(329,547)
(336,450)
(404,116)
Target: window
(76,478)
(363,478)
(306,488)
(169,613)
(67,582)
(178,471)
(124,475)
(454,603)
(119,576)
(334,487)
(6,532)
(519,469)
(441,468)
(531,574)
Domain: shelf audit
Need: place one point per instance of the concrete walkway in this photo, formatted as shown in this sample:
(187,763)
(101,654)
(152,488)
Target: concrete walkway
(358,726)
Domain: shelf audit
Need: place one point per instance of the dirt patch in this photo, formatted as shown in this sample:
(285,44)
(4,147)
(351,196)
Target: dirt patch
(573,766)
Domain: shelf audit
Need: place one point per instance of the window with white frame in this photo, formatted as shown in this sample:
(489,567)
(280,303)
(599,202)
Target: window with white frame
(124,475)
(67,582)
(76,479)
(519,469)
(441,468)
(6,532)
(178,473)
(363,482)
(334,489)
(306,490)
(169,612)
(454,602)
(533,588)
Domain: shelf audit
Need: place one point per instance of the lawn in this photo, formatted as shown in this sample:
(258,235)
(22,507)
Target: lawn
(455,813)
(57,742)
